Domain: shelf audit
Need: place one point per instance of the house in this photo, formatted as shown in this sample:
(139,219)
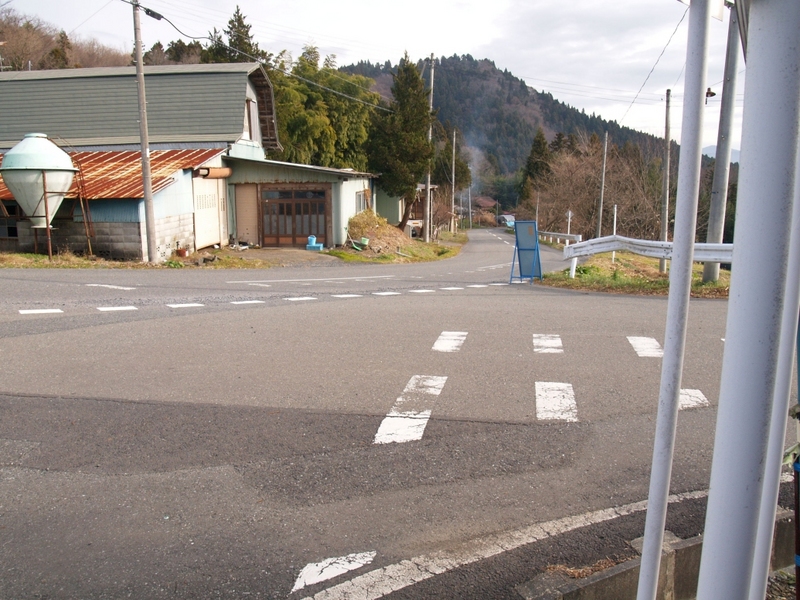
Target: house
(209,127)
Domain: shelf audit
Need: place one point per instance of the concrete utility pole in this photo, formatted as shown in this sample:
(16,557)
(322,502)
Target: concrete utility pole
(662,263)
(680,282)
(599,231)
(751,366)
(147,180)
(453,188)
(722,165)
(426,214)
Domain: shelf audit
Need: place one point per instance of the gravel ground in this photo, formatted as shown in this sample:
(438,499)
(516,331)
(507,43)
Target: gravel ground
(781,586)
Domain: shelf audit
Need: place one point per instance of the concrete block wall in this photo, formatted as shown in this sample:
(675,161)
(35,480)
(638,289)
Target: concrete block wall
(119,241)
(173,233)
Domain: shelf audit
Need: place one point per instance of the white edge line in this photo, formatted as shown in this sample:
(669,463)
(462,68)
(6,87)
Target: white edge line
(381,582)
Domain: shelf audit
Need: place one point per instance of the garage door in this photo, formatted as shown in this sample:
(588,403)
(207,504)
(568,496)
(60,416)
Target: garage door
(206,213)
(291,215)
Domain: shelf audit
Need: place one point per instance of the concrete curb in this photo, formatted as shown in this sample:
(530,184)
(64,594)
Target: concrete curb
(680,567)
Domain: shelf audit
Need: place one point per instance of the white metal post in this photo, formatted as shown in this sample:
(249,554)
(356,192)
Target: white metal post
(662,264)
(758,285)
(614,232)
(680,281)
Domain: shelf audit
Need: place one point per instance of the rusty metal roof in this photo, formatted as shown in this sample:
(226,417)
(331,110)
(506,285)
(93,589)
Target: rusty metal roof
(118,174)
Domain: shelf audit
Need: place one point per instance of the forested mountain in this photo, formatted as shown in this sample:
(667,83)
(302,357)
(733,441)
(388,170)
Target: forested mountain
(499,113)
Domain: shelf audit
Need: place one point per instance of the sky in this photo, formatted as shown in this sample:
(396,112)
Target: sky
(592,55)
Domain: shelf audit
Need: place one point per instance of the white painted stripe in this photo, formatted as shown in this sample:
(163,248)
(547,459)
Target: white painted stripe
(255,281)
(646,347)
(692,399)
(498,284)
(111,287)
(505,242)
(450,341)
(477,286)
(330,568)
(259,284)
(300,299)
(385,293)
(546,343)
(422,291)
(184,305)
(407,420)
(41,311)
(555,402)
(392,578)
(248,302)
(115,308)
(451,288)
(347,296)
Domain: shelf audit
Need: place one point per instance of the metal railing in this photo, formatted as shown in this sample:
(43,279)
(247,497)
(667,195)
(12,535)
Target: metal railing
(722,253)
(551,237)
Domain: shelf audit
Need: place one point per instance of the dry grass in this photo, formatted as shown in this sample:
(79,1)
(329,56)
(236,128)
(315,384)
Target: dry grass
(583,572)
(633,274)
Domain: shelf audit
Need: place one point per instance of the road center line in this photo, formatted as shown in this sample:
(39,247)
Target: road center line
(248,302)
(407,420)
(115,308)
(111,287)
(450,341)
(41,311)
(545,343)
(189,305)
(646,347)
(385,293)
(347,295)
(555,402)
(300,299)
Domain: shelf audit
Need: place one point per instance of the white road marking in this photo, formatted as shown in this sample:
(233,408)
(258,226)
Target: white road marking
(477,285)
(385,293)
(422,291)
(451,288)
(259,284)
(255,281)
(555,402)
(111,287)
(692,399)
(330,568)
(500,266)
(347,296)
(545,343)
(115,308)
(646,347)
(193,305)
(300,299)
(407,420)
(248,302)
(450,341)
(392,578)
(41,311)
(498,284)
(505,242)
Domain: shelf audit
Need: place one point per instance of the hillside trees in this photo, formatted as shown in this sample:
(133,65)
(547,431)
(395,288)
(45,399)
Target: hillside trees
(398,146)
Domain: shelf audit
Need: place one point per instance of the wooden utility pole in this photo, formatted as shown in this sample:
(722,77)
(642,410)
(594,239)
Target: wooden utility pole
(426,215)
(453,188)
(662,263)
(599,231)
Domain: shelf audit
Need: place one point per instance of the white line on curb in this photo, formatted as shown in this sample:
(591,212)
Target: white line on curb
(407,420)
(450,341)
(545,343)
(330,568)
(555,401)
(391,578)
(646,347)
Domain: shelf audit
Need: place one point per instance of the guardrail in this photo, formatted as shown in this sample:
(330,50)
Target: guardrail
(551,236)
(722,253)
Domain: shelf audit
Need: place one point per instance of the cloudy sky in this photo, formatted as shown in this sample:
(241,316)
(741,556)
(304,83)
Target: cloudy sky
(592,55)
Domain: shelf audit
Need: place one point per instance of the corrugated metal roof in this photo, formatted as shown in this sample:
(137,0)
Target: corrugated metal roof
(129,71)
(118,175)
(288,165)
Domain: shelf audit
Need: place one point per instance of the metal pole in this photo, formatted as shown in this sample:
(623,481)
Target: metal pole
(453,188)
(719,187)
(147,181)
(598,233)
(680,280)
(469,199)
(47,216)
(662,263)
(426,213)
(537,209)
(780,407)
(771,123)
(614,232)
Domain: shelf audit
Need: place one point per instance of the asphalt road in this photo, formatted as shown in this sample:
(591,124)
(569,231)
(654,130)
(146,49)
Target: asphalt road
(222,446)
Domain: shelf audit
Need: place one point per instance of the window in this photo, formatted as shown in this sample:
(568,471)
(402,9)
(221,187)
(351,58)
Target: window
(8,224)
(361,201)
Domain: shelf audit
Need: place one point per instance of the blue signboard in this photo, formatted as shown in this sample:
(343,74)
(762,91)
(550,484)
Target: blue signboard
(526,252)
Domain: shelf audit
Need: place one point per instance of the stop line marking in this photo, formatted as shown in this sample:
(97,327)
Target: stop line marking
(408,417)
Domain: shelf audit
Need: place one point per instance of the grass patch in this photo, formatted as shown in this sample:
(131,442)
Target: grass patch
(633,274)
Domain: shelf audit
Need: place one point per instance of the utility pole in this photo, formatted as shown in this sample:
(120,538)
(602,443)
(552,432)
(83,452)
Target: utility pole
(453,188)
(147,180)
(426,216)
(662,263)
(469,200)
(602,188)
(722,165)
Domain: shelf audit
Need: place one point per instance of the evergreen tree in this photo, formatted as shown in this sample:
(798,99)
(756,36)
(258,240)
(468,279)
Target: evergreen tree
(59,57)
(180,52)
(398,146)
(243,47)
(156,55)
(537,166)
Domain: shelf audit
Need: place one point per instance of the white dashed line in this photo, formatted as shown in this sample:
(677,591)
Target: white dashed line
(111,287)
(498,284)
(477,285)
(248,302)
(260,284)
(555,402)
(545,343)
(41,311)
(300,299)
(452,288)
(330,568)
(407,420)
(422,291)
(184,305)
(347,296)
(115,308)
(450,341)
(646,347)
(385,293)
(692,399)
